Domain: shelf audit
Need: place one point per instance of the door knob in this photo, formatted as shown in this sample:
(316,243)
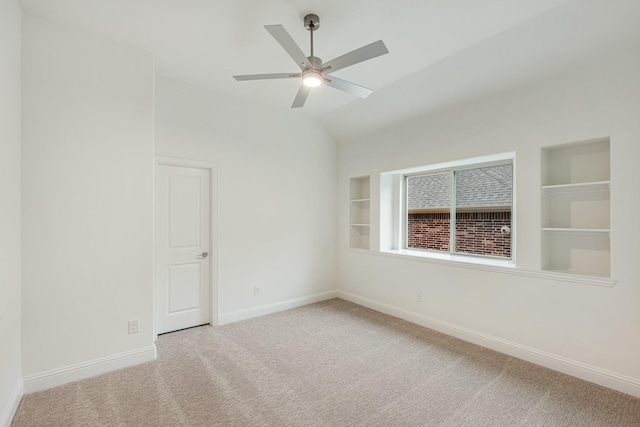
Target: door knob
(204,254)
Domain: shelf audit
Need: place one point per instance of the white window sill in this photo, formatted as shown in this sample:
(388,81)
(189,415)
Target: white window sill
(452,258)
(497,266)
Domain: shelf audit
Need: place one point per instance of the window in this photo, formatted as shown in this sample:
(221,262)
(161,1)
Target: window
(428,211)
(459,210)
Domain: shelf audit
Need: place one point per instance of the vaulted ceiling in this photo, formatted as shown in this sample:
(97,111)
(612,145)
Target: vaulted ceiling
(441,51)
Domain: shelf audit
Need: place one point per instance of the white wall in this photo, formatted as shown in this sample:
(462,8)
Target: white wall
(10,380)
(593,329)
(87,171)
(276,192)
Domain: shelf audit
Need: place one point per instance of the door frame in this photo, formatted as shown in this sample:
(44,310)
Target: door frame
(213,230)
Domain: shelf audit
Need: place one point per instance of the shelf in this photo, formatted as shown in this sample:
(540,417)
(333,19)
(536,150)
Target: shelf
(575,230)
(586,254)
(574,163)
(359,212)
(578,187)
(576,209)
(585,207)
(359,188)
(580,273)
(359,237)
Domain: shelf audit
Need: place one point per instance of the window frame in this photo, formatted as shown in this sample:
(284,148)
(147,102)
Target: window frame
(394,225)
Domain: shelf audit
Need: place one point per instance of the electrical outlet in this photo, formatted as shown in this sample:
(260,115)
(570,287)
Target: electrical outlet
(133,326)
(256,290)
(419,296)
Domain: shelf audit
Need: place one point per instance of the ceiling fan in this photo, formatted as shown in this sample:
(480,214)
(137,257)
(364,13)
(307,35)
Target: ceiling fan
(313,71)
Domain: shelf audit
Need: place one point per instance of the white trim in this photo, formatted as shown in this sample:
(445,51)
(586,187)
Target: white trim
(454,258)
(154,189)
(603,377)
(500,266)
(186,163)
(213,242)
(560,230)
(91,368)
(213,230)
(9,411)
(395,183)
(236,316)
(472,162)
(595,186)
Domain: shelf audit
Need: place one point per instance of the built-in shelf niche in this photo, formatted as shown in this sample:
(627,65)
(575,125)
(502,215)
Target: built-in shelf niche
(359,212)
(576,208)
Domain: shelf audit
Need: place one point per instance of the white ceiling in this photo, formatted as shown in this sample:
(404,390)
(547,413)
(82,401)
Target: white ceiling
(441,51)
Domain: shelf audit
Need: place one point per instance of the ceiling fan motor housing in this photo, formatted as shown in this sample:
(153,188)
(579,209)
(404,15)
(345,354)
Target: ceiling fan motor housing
(316,62)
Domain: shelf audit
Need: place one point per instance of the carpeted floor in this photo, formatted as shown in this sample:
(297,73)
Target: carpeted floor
(328,364)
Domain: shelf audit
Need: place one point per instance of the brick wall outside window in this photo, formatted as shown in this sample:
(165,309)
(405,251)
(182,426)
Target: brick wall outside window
(428,231)
(476,232)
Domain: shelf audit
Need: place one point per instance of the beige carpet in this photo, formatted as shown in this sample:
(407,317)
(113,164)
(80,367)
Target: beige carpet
(327,364)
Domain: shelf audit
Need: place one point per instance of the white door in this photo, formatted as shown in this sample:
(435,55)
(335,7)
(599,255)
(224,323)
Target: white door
(182,248)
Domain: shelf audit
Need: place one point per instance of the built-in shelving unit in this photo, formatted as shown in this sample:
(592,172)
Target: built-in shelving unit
(576,208)
(359,212)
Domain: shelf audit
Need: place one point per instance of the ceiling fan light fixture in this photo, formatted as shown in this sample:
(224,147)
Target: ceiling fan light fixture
(312,78)
(312,69)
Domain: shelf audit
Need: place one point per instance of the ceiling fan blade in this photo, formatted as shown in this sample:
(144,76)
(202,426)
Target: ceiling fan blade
(348,87)
(301,97)
(356,56)
(266,76)
(282,36)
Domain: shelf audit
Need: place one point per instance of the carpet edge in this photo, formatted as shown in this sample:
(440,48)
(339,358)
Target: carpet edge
(79,371)
(262,310)
(9,411)
(593,374)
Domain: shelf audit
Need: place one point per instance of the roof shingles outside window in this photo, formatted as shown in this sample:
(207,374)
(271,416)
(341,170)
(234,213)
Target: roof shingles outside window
(482,188)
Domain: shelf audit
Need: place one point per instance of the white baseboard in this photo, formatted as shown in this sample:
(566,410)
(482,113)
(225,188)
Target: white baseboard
(88,369)
(9,411)
(603,377)
(262,310)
